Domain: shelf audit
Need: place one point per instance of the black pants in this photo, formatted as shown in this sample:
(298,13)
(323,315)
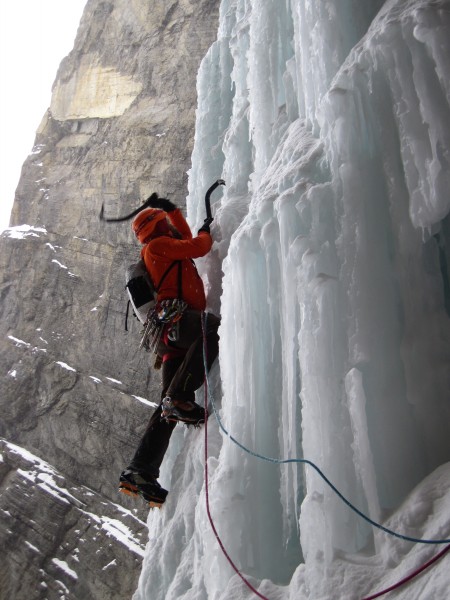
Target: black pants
(181,376)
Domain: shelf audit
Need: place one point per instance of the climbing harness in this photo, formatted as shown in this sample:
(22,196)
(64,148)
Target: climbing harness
(209,396)
(165,316)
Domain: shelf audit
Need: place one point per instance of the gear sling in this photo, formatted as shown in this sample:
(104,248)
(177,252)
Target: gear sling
(153,314)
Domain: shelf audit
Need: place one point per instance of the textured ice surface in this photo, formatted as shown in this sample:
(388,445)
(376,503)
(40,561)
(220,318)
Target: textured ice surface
(330,123)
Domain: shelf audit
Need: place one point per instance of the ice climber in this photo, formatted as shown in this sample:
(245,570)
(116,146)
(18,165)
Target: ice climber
(168,250)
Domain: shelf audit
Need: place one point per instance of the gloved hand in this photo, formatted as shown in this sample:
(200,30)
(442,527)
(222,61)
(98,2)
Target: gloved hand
(206,224)
(155,202)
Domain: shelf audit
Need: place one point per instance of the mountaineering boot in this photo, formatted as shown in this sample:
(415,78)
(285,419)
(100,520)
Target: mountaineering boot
(185,411)
(135,484)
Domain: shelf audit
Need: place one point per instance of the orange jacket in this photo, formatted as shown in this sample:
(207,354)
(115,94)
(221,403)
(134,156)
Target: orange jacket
(160,253)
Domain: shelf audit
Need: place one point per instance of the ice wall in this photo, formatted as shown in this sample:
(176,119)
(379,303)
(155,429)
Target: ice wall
(330,123)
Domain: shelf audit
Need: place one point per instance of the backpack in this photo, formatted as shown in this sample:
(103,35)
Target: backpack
(142,292)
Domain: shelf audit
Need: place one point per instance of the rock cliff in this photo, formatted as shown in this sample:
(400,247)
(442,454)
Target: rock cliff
(74,389)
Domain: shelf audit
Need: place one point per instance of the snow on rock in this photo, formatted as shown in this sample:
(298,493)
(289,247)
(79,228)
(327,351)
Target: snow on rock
(330,123)
(65,366)
(22,231)
(21,343)
(18,342)
(114,380)
(84,533)
(145,401)
(59,264)
(65,567)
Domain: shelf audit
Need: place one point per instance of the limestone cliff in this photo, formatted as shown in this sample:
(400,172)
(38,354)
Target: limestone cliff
(74,389)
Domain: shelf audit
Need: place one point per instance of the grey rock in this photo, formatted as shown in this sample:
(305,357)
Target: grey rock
(72,541)
(120,126)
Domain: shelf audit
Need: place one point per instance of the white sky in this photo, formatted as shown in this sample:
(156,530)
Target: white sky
(35,35)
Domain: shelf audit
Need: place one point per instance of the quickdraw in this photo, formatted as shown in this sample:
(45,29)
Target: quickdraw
(165,316)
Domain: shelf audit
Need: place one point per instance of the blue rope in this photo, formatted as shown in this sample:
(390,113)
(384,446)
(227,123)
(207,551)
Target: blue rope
(306,462)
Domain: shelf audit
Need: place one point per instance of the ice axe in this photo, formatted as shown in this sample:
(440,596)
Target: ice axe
(209,218)
(147,204)
(153,197)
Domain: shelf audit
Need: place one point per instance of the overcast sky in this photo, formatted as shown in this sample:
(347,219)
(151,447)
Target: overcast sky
(35,35)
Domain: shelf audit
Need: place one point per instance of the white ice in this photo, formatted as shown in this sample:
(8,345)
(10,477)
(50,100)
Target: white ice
(330,123)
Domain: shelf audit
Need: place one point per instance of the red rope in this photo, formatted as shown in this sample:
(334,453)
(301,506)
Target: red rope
(410,576)
(222,547)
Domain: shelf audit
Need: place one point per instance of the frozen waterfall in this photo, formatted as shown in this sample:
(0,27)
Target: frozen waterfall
(330,122)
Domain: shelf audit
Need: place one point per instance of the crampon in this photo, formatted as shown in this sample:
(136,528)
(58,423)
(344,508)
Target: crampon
(134,484)
(186,412)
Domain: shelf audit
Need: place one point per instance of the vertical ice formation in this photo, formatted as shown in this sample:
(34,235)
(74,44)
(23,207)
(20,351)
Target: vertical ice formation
(329,122)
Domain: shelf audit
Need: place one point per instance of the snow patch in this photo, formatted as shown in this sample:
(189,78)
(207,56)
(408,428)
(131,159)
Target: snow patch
(119,531)
(123,534)
(61,564)
(31,547)
(145,401)
(114,380)
(22,231)
(19,342)
(63,586)
(65,366)
(59,264)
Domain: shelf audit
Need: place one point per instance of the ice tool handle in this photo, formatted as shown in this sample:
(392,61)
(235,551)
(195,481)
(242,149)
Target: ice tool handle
(215,185)
(154,196)
(147,204)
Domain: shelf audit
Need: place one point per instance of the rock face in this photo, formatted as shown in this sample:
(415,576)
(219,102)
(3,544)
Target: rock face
(74,389)
(63,539)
